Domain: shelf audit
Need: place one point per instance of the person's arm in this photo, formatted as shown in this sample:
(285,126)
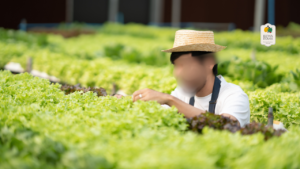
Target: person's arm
(185,108)
(181,106)
(163,98)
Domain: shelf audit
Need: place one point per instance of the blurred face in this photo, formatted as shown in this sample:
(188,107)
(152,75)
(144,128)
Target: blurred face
(190,73)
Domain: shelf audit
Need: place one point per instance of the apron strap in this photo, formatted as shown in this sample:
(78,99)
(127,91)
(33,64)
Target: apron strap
(214,96)
(192,100)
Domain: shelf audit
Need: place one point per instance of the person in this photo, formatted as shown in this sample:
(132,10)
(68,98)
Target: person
(199,88)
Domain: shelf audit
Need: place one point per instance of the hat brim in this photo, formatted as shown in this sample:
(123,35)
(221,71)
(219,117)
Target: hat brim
(196,47)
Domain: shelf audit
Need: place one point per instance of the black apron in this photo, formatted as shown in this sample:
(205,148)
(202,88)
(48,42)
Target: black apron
(214,96)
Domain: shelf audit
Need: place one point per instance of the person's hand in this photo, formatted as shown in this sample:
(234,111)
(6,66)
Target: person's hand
(149,94)
(119,96)
(231,117)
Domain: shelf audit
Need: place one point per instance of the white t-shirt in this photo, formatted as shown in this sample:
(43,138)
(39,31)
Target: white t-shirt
(232,100)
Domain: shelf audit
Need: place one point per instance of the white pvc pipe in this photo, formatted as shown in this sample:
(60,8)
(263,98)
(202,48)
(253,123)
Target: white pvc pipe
(113,8)
(156,11)
(259,14)
(176,12)
(69,10)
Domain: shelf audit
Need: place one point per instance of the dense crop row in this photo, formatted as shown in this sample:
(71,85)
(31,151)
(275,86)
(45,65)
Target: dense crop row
(120,43)
(43,128)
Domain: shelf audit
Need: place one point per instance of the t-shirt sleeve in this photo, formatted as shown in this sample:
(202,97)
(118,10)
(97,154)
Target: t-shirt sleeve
(165,106)
(237,105)
(174,93)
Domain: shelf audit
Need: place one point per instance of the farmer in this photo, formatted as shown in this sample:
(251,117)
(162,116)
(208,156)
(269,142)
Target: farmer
(199,88)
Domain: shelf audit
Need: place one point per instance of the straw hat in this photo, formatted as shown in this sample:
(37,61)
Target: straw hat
(191,40)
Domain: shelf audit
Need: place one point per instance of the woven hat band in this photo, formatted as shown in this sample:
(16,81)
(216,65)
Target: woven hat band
(187,37)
